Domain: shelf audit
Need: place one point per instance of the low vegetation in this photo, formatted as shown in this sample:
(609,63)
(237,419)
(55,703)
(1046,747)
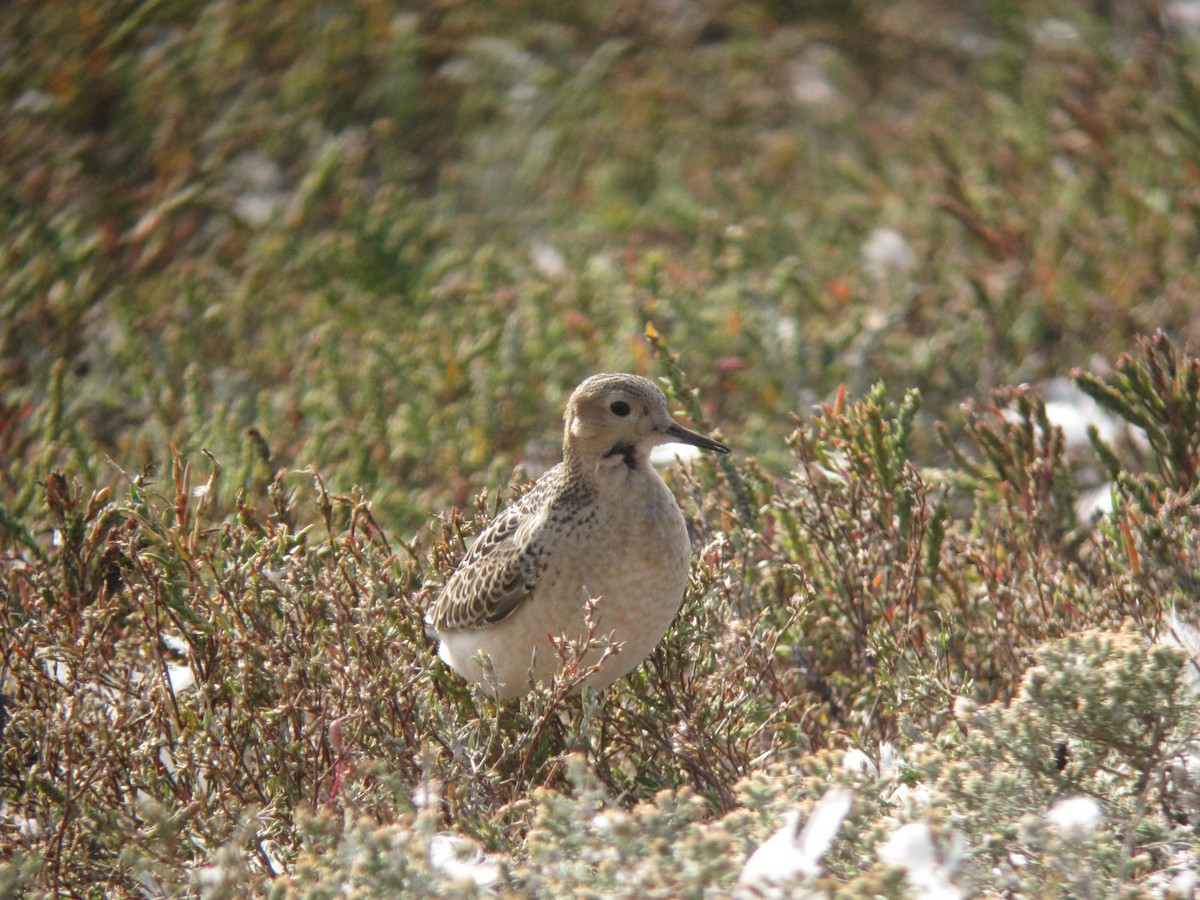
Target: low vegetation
(292,296)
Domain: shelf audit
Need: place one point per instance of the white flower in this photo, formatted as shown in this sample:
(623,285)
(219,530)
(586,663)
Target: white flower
(812,74)
(1186,637)
(912,799)
(669,454)
(886,254)
(174,641)
(786,329)
(460,860)
(25,827)
(57,669)
(1055,34)
(33,101)
(182,678)
(427,794)
(547,260)
(1096,502)
(1076,816)
(912,849)
(151,885)
(795,852)
(262,183)
(856,760)
(1184,14)
(964,707)
(1183,884)
(1073,411)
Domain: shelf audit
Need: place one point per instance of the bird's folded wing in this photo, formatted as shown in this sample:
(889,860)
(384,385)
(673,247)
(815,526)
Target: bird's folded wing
(498,573)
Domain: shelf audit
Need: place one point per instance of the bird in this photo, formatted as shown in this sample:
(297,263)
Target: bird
(601,529)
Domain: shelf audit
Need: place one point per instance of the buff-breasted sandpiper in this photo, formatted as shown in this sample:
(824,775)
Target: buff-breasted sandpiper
(601,524)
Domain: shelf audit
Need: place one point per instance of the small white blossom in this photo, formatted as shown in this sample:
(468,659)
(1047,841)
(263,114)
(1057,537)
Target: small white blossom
(889,760)
(547,260)
(1096,502)
(608,819)
(913,800)
(1185,636)
(34,102)
(964,706)
(1184,884)
(174,641)
(274,574)
(460,860)
(25,827)
(857,760)
(152,887)
(786,329)
(1055,34)
(912,849)
(262,196)
(182,678)
(794,851)
(1073,411)
(1184,14)
(58,669)
(669,454)
(886,254)
(426,795)
(1076,816)
(810,73)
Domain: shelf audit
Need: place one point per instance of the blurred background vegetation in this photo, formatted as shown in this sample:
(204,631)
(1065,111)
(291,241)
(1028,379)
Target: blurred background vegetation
(391,237)
(284,283)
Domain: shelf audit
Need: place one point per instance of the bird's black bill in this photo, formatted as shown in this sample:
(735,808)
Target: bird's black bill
(695,438)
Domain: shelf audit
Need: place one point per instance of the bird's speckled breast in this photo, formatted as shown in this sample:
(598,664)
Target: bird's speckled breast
(639,560)
(643,534)
(630,549)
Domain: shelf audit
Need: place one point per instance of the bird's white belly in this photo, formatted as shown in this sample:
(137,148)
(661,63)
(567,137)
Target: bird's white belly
(635,561)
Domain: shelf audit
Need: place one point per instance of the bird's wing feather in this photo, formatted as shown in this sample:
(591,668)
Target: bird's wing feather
(498,573)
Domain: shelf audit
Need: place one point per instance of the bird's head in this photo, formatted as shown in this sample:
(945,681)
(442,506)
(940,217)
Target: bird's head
(621,417)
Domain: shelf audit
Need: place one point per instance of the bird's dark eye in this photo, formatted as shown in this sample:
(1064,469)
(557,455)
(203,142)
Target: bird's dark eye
(619,407)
